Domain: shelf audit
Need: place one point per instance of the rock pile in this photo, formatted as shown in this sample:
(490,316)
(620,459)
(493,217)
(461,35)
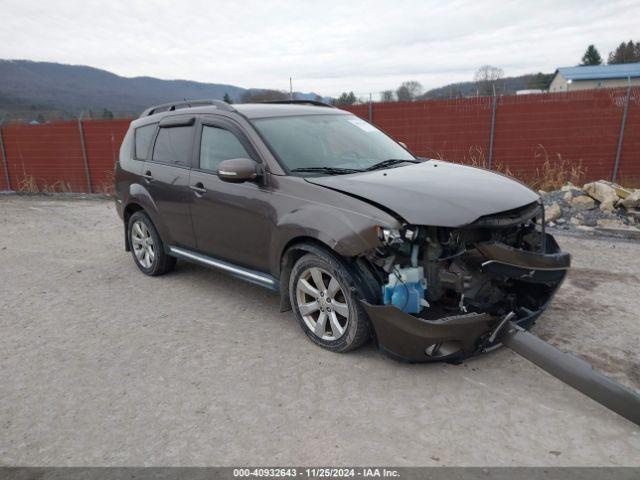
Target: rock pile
(598,205)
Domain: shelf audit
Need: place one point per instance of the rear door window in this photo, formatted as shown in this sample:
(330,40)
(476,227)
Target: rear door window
(218,144)
(144,136)
(173,146)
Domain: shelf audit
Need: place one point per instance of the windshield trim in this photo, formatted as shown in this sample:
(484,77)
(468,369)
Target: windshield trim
(284,166)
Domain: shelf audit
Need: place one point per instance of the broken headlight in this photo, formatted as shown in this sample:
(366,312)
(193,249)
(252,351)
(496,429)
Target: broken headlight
(394,236)
(389,236)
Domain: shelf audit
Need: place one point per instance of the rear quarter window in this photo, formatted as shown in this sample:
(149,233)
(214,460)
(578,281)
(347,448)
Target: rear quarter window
(143,138)
(126,147)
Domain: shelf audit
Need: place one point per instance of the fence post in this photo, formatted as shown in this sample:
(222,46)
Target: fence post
(84,154)
(370,110)
(494,105)
(5,166)
(616,164)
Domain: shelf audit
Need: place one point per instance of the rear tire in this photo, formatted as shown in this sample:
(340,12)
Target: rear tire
(147,248)
(325,300)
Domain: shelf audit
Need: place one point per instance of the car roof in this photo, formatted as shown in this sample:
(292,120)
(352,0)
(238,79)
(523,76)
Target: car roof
(263,110)
(248,110)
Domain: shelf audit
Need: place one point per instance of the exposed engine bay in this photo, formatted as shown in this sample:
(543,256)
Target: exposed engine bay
(503,266)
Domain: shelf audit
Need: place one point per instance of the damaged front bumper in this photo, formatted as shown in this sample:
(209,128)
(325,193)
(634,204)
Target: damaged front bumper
(451,338)
(412,339)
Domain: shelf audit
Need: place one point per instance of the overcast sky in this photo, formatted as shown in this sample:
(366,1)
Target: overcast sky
(326,46)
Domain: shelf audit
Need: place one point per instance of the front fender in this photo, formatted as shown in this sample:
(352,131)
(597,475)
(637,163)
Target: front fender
(347,233)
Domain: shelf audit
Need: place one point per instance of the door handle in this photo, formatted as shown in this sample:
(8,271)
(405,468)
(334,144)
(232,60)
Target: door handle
(147,176)
(198,188)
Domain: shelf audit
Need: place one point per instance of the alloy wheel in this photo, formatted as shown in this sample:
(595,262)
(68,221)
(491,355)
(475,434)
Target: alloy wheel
(322,304)
(142,243)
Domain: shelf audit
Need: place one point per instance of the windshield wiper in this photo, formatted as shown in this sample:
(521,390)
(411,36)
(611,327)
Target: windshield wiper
(328,170)
(390,162)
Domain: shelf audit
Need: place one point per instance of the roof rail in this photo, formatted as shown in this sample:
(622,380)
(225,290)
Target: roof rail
(169,107)
(301,102)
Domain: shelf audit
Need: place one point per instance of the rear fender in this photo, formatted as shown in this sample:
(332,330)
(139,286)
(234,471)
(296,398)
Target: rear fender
(140,196)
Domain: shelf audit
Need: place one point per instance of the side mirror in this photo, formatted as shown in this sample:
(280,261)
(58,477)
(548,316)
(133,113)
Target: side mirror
(404,145)
(238,170)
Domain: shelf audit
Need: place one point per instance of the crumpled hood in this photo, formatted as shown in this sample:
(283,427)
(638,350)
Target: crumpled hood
(434,193)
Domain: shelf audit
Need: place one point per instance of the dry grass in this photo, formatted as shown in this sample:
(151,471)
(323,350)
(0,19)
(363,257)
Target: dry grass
(57,187)
(496,167)
(29,184)
(106,187)
(555,173)
(476,157)
(631,182)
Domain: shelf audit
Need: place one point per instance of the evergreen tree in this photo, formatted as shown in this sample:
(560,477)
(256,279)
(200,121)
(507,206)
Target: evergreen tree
(625,53)
(346,99)
(227,99)
(591,56)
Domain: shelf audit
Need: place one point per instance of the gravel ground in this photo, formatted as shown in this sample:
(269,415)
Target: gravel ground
(100,365)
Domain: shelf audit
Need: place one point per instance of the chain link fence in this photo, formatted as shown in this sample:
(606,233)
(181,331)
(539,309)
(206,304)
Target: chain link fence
(591,134)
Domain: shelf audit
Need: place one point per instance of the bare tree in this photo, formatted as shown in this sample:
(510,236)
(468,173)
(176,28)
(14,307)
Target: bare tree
(488,77)
(408,91)
(386,96)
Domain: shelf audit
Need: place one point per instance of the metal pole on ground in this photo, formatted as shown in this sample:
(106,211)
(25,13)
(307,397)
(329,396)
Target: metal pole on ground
(5,166)
(616,164)
(370,109)
(84,154)
(493,126)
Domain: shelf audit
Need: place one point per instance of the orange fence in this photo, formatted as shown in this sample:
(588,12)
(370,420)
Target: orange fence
(577,129)
(51,157)
(514,133)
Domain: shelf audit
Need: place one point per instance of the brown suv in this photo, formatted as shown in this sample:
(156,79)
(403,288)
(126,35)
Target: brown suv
(360,238)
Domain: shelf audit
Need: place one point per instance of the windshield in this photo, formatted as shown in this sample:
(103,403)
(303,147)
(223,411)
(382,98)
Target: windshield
(329,144)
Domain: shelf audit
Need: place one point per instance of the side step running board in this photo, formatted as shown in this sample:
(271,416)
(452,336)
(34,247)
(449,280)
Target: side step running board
(574,372)
(252,276)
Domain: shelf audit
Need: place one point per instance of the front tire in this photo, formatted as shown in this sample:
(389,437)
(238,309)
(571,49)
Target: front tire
(324,296)
(147,248)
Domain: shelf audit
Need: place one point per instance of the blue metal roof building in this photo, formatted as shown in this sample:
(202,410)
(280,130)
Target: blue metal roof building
(596,76)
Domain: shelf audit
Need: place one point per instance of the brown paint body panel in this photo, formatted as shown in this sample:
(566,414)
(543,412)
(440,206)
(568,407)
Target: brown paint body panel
(435,192)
